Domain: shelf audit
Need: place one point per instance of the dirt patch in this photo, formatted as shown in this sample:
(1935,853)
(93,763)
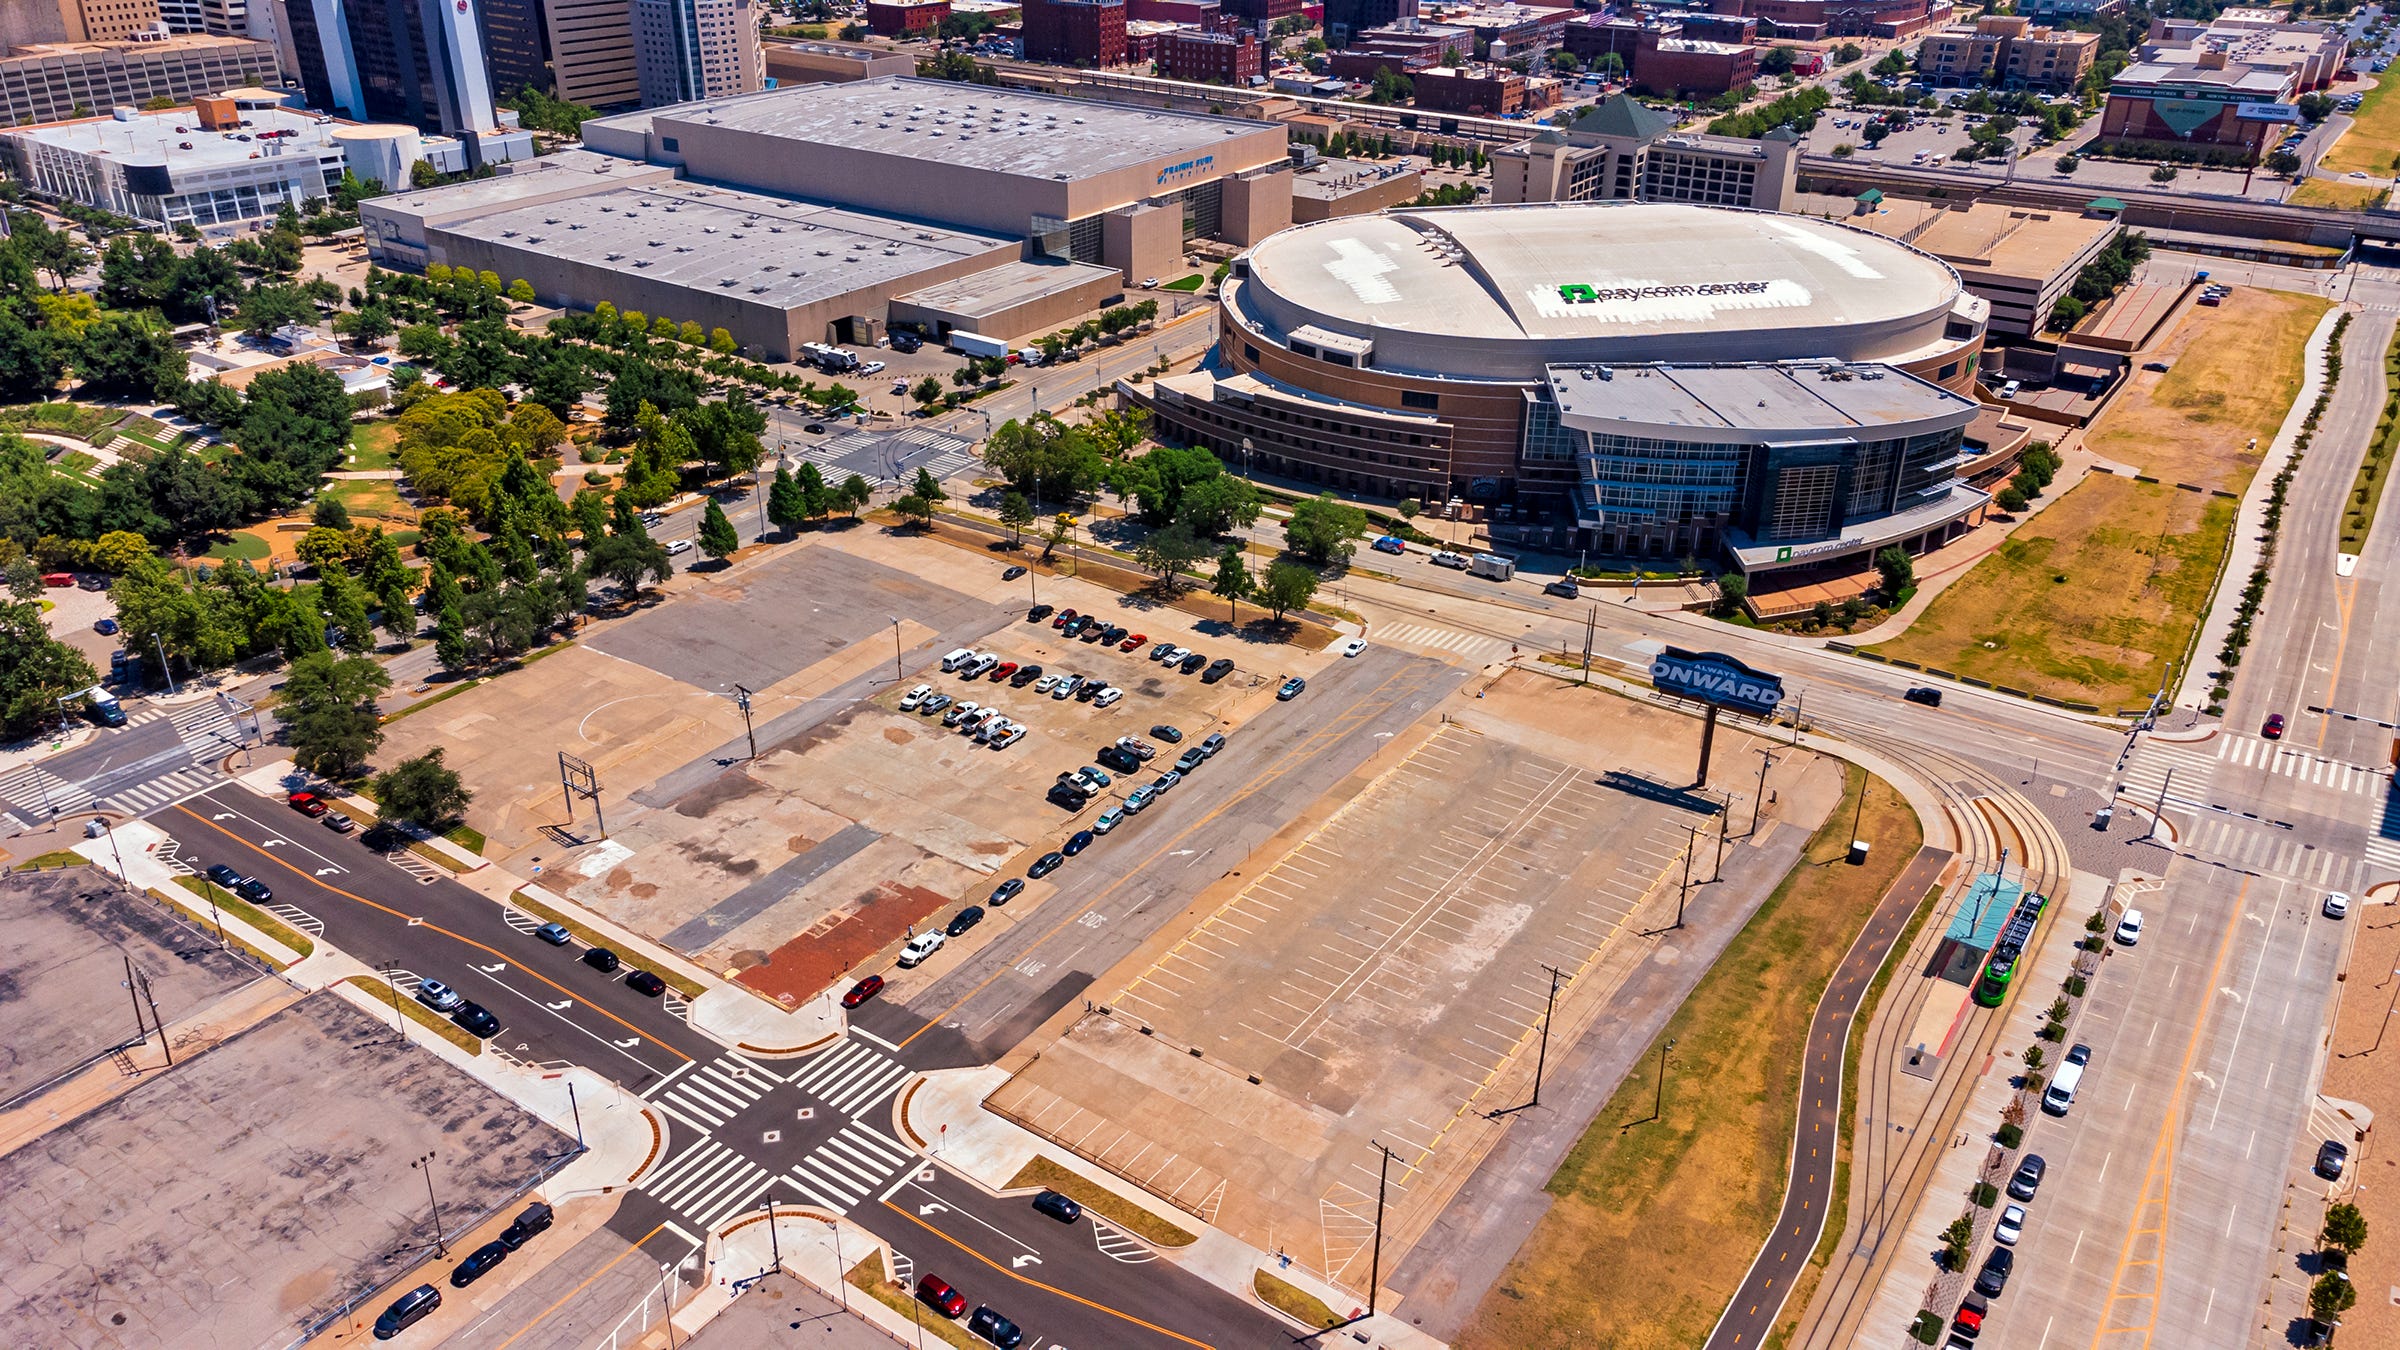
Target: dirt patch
(715,794)
(897,735)
(839,943)
(2233,373)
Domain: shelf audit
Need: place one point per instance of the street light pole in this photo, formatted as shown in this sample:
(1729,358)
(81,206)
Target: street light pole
(110,828)
(841,1277)
(2160,809)
(1375,1267)
(896,676)
(1658,1106)
(774,1243)
(208,892)
(1758,804)
(391,981)
(741,700)
(425,1164)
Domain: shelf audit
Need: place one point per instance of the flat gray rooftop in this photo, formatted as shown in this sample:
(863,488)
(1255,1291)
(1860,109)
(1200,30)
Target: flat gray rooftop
(762,250)
(531,178)
(175,137)
(1007,286)
(968,125)
(1790,396)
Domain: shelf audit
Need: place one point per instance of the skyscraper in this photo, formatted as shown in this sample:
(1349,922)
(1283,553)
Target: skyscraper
(591,51)
(516,45)
(414,61)
(694,49)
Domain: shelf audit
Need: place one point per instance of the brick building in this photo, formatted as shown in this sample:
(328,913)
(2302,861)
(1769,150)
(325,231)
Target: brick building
(1406,48)
(1261,12)
(900,18)
(1211,58)
(1075,32)
(1485,91)
(2009,51)
(1812,19)
(1206,15)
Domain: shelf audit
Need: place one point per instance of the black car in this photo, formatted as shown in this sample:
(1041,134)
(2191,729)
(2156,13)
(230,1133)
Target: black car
(992,1327)
(1089,690)
(1025,675)
(602,959)
(1190,759)
(1119,758)
(1045,865)
(1925,694)
(1058,1207)
(906,342)
(1012,574)
(1006,891)
(1038,613)
(1217,670)
(254,891)
(1061,794)
(1078,842)
(646,982)
(2028,1178)
(2332,1155)
(1994,1276)
(407,1310)
(478,1264)
(1167,733)
(1191,663)
(477,1019)
(967,918)
(535,1219)
(224,876)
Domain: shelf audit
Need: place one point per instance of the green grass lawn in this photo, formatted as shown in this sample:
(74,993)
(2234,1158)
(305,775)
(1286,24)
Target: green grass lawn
(80,421)
(369,499)
(371,444)
(2372,143)
(75,464)
(243,546)
(1191,283)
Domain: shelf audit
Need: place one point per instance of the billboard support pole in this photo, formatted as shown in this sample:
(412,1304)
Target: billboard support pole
(1708,740)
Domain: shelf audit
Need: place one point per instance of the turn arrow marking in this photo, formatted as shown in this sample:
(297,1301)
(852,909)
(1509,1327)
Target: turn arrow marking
(1020,1262)
(493,970)
(561,1006)
(628,1044)
(327,871)
(222,815)
(933,1209)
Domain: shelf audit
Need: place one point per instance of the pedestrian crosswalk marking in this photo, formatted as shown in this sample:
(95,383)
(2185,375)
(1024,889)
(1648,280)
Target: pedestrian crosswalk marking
(847,1167)
(708,1183)
(1441,639)
(851,1078)
(207,729)
(2254,848)
(715,1092)
(2182,768)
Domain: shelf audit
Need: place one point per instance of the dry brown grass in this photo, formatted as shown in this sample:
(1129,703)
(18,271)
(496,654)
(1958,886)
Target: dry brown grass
(2236,370)
(2338,196)
(2372,143)
(1102,1201)
(1655,1221)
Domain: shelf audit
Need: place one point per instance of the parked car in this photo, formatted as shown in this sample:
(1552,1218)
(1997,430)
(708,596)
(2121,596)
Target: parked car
(1167,733)
(555,934)
(1994,1276)
(935,704)
(1445,558)
(1214,742)
(1065,617)
(1087,691)
(1119,758)
(105,627)
(255,891)
(308,804)
(1139,799)
(1391,543)
(675,546)
(1025,675)
(1045,865)
(476,1018)
(1094,775)
(438,996)
(2028,1178)
(1077,842)
(960,713)
(1058,1207)
(1160,784)
(1159,652)
(1191,662)
(992,1327)
(1108,698)
(1006,891)
(1012,573)
(223,876)
(1038,613)
(965,919)
(1190,759)
(1174,656)
(1292,689)
(603,960)
(1003,671)
(914,697)
(1140,748)
(1133,641)
(337,822)
(1354,646)
(2129,928)
(407,1310)
(2331,1156)
(2336,905)
(1066,688)
(521,1230)
(862,991)
(478,1264)
(1968,1325)
(921,946)
(647,983)
(1108,820)
(2011,1226)
(944,1299)
(1217,670)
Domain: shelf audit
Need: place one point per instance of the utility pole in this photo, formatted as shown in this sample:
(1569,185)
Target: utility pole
(124,882)
(391,981)
(208,891)
(896,676)
(155,1020)
(441,1247)
(1591,619)
(741,700)
(1541,1054)
(1375,1266)
(141,1028)
(1758,804)
(774,1242)
(1658,1105)
(2161,808)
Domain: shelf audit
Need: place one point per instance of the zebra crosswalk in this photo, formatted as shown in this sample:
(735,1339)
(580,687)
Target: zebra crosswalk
(2273,852)
(715,1092)
(31,794)
(851,1079)
(851,1165)
(2291,761)
(2182,768)
(1474,646)
(867,452)
(708,1183)
(161,790)
(207,729)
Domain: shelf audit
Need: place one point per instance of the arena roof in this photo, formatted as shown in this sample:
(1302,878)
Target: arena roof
(969,125)
(1811,397)
(1561,272)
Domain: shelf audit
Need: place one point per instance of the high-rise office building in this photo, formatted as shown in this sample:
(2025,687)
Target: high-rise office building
(591,51)
(84,20)
(516,45)
(414,61)
(694,49)
(225,18)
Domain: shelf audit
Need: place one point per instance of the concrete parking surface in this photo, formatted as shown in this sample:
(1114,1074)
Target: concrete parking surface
(255,1191)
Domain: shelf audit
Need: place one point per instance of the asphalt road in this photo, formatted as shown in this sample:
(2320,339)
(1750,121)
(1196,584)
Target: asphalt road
(1816,1133)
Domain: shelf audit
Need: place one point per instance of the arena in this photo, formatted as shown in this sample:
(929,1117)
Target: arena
(1653,379)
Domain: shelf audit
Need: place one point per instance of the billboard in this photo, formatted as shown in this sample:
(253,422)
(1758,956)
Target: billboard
(1714,677)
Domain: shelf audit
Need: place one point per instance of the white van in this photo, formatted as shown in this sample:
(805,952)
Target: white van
(2061,1093)
(2009,390)
(956,659)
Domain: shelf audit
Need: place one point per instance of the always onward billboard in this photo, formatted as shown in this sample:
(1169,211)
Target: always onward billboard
(1714,677)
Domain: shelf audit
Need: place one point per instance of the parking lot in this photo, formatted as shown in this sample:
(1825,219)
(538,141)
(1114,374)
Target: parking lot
(245,1195)
(1369,986)
(62,971)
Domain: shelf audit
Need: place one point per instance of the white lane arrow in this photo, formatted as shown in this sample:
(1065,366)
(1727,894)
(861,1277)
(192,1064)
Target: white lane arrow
(628,1045)
(561,1006)
(493,970)
(222,815)
(933,1209)
(1020,1262)
(272,843)
(327,871)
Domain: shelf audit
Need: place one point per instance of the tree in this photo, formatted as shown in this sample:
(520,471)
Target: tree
(329,714)
(927,486)
(521,291)
(1061,525)
(130,355)
(787,501)
(30,361)
(2331,1296)
(1168,551)
(36,671)
(2011,499)
(629,559)
(423,791)
(450,640)
(2283,162)
(1732,589)
(1289,586)
(855,495)
(1899,574)
(344,603)
(1322,530)
(1958,1241)
(1233,582)
(914,507)
(1016,513)
(2345,1229)
(330,514)
(926,392)
(718,538)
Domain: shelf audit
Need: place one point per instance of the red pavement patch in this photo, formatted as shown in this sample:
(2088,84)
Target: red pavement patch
(835,947)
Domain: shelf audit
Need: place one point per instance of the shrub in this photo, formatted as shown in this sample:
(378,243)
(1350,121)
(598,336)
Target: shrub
(2010,1135)
(1985,1194)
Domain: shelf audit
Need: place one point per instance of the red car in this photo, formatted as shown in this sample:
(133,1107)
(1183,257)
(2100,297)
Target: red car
(2273,730)
(938,1292)
(1132,642)
(308,804)
(1062,618)
(1003,671)
(862,991)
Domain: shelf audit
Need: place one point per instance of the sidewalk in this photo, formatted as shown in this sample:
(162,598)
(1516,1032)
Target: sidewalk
(2250,522)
